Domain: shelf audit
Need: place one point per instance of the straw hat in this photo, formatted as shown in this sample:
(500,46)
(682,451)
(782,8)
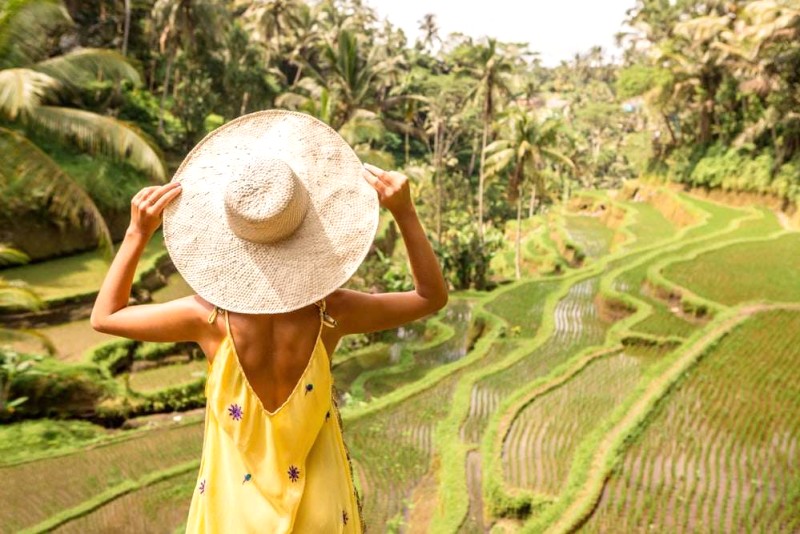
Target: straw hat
(274,213)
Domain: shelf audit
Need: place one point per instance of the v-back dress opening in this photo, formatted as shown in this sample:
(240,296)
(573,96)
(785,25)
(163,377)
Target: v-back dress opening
(273,472)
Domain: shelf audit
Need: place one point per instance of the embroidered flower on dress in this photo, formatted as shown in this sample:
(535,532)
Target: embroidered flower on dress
(345,518)
(294,473)
(247,478)
(235,411)
(309,388)
(202,487)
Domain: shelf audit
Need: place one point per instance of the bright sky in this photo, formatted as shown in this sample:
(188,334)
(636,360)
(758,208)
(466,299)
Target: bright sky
(557,29)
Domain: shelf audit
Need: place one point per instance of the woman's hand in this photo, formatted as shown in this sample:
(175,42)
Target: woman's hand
(392,188)
(147,206)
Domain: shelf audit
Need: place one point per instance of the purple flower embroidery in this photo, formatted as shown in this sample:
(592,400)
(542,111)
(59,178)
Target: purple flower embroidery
(235,411)
(202,487)
(344,517)
(294,473)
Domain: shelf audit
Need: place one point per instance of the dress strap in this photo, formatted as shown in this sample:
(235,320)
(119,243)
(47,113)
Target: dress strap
(213,317)
(327,320)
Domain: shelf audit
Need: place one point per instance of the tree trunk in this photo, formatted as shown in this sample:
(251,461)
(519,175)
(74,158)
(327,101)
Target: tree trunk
(481,178)
(518,241)
(164,92)
(533,201)
(126,32)
(407,147)
(471,166)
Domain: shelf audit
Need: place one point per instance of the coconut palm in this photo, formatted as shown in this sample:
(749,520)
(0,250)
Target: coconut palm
(492,68)
(353,71)
(34,89)
(525,146)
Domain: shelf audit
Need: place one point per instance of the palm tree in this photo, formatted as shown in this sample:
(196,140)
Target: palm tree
(430,32)
(33,87)
(352,73)
(492,69)
(524,148)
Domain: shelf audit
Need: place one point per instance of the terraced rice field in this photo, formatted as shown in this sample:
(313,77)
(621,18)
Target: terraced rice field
(664,320)
(77,274)
(33,491)
(649,225)
(160,507)
(417,363)
(590,234)
(756,270)
(719,452)
(576,326)
(538,449)
(150,380)
(389,475)
(522,308)
(722,452)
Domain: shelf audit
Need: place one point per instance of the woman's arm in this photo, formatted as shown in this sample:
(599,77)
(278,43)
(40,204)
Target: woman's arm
(171,321)
(358,312)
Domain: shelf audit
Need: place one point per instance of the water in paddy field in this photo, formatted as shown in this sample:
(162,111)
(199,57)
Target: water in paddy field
(387,366)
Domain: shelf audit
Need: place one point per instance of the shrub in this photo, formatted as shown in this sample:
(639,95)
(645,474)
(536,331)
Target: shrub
(62,390)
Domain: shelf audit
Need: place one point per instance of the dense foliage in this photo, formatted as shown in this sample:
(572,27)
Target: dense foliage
(722,83)
(708,95)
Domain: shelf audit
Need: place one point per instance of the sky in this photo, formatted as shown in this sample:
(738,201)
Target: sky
(557,29)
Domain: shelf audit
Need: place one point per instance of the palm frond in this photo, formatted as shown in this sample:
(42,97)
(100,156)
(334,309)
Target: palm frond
(96,132)
(83,66)
(24,29)
(16,294)
(11,256)
(557,156)
(23,90)
(26,168)
(364,126)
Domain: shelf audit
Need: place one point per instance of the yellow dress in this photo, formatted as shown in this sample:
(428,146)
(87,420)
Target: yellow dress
(286,471)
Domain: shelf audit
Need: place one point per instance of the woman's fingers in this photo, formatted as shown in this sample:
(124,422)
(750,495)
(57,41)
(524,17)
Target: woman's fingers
(142,194)
(373,180)
(165,196)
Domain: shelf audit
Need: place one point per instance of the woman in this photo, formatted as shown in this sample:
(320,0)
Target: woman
(265,219)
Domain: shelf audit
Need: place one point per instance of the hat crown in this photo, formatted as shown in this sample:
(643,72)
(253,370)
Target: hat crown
(266,202)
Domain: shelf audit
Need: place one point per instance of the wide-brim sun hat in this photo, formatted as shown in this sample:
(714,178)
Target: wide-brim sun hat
(274,213)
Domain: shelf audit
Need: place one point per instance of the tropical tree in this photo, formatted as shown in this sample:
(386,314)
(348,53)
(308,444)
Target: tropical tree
(491,66)
(36,89)
(525,146)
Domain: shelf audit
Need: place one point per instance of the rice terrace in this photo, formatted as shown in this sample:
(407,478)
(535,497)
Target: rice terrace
(621,347)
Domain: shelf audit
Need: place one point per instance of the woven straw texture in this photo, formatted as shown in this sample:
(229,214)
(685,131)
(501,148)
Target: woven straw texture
(318,257)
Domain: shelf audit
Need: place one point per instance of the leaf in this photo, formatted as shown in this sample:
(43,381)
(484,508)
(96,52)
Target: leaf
(15,294)
(90,64)
(16,402)
(25,27)
(25,167)
(96,132)
(23,90)
(10,256)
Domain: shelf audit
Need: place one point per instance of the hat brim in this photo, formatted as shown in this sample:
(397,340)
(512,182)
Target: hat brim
(319,257)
